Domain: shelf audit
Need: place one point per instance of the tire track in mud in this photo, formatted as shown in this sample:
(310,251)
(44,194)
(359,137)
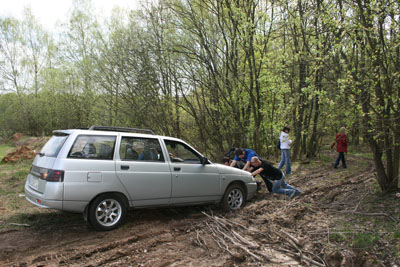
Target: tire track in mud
(319,181)
(145,235)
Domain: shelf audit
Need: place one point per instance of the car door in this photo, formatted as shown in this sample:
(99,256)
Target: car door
(90,169)
(143,171)
(192,182)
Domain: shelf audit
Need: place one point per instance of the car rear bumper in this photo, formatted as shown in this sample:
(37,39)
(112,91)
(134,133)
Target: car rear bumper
(40,200)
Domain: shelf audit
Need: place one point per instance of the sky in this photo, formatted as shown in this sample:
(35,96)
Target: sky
(48,12)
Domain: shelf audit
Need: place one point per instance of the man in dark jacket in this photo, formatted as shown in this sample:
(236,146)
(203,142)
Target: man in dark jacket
(267,171)
(240,164)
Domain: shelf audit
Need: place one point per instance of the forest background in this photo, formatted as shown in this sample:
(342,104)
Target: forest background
(218,74)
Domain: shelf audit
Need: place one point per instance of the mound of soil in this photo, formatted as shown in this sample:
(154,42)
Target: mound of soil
(26,149)
(35,143)
(17,137)
(20,153)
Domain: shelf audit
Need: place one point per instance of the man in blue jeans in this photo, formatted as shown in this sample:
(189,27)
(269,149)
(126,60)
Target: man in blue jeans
(245,155)
(267,171)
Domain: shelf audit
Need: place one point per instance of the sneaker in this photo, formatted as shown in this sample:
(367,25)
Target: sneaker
(335,167)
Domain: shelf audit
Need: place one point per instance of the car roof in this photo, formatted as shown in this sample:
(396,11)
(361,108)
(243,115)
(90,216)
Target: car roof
(86,131)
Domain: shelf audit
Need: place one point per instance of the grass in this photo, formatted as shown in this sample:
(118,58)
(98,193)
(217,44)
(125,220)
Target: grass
(365,240)
(355,237)
(365,155)
(14,208)
(326,159)
(4,148)
(13,175)
(12,180)
(373,234)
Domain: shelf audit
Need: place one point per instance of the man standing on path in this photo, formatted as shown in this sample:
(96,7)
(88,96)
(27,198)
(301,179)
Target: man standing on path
(285,150)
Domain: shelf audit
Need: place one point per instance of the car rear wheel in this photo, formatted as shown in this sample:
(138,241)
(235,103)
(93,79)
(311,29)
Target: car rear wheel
(234,198)
(107,212)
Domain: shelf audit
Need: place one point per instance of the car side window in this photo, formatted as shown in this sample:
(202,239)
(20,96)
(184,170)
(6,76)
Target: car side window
(179,152)
(93,147)
(137,148)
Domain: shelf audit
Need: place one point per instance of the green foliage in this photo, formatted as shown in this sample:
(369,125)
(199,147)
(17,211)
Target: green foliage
(397,235)
(4,148)
(337,237)
(365,240)
(216,73)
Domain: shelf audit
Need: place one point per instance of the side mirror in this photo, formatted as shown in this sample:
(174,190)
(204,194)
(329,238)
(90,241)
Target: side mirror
(204,160)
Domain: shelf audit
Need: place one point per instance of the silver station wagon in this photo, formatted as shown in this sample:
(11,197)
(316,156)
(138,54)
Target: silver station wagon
(104,171)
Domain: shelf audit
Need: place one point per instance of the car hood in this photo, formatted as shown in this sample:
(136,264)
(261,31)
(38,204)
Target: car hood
(223,169)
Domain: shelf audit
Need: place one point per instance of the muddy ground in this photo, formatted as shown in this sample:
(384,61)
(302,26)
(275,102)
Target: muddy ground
(314,229)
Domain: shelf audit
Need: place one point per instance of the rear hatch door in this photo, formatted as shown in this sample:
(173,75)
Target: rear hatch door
(44,160)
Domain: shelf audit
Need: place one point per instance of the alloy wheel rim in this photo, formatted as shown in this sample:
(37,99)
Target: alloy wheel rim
(235,199)
(108,212)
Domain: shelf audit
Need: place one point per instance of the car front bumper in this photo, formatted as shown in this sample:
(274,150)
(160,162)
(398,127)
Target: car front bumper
(251,190)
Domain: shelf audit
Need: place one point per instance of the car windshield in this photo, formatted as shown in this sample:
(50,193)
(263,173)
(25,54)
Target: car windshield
(53,146)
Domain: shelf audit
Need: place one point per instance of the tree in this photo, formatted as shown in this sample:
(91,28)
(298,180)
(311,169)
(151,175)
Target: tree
(373,65)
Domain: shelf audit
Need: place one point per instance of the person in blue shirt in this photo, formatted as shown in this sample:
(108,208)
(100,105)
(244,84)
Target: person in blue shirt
(245,155)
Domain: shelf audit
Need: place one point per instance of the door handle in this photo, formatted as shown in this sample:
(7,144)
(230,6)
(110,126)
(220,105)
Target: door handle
(177,168)
(124,167)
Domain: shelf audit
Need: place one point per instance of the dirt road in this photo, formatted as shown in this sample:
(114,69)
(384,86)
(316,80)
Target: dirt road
(269,231)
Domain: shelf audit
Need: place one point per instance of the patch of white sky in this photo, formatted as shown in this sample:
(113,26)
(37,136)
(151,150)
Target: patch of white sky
(51,12)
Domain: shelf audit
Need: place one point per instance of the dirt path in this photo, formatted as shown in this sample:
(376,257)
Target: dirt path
(270,230)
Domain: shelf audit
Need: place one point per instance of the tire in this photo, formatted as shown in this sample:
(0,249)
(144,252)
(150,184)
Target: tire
(107,212)
(234,198)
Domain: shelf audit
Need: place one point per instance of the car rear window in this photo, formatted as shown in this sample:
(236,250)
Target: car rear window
(93,147)
(53,146)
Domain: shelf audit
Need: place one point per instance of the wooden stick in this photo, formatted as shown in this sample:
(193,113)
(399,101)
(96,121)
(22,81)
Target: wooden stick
(302,257)
(244,240)
(378,214)
(20,224)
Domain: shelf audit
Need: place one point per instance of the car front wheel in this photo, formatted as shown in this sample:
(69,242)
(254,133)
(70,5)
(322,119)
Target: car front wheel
(107,212)
(234,198)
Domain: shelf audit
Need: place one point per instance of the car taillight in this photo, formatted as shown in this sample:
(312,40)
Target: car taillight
(52,175)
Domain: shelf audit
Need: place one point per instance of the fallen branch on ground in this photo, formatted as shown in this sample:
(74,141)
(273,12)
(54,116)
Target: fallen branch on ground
(227,236)
(371,214)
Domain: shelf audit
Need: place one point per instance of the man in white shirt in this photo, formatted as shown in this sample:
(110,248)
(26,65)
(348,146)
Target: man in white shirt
(285,150)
